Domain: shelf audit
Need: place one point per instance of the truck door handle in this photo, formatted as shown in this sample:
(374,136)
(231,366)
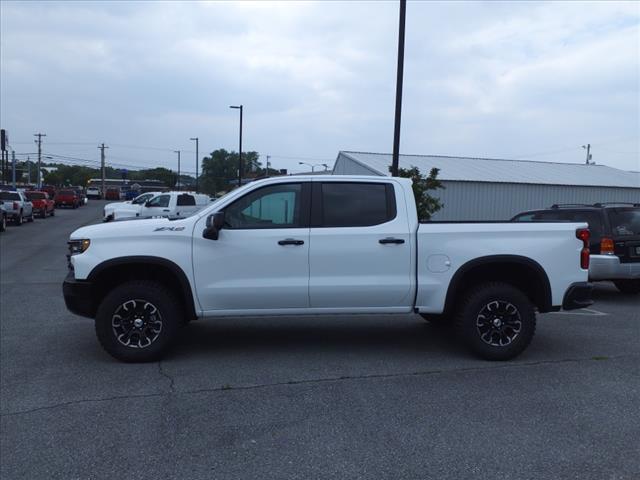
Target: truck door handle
(166,210)
(397,241)
(290,241)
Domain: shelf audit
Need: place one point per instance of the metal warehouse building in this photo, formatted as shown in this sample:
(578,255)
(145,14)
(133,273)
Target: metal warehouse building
(494,189)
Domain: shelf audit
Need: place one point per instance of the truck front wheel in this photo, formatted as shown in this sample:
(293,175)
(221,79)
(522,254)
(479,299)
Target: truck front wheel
(138,321)
(496,321)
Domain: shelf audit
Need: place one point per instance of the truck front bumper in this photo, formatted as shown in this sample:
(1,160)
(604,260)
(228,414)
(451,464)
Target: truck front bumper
(608,267)
(78,296)
(578,295)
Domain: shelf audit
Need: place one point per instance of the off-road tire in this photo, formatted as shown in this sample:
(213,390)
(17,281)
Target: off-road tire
(18,220)
(167,305)
(3,223)
(30,217)
(474,311)
(628,286)
(53,212)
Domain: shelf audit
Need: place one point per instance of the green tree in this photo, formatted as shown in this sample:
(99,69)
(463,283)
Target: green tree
(220,170)
(425,203)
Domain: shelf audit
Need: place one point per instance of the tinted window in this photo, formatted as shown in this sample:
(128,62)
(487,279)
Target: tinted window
(142,198)
(160,201)
(625,221)
(276,206)
(357,204)
(9,196)
(66,192)
(186,200)
(35,195)
(593,219)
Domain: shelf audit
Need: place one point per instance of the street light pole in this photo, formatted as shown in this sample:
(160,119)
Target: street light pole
(240,107)
(196,140)
(399,79)
(313,166)
(178,182)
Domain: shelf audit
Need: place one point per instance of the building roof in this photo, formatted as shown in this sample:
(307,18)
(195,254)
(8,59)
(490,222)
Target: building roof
(467,169)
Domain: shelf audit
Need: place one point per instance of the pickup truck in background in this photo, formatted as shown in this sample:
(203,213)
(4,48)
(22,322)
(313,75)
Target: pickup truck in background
(131,205)
(17,206)
(43,206)
(314,245)
(66,198)
(164,204)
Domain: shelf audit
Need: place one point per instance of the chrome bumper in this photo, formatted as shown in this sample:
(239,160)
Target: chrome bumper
(608,267)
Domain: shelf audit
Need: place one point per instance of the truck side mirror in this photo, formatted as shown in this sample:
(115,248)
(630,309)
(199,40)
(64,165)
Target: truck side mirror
(214,225)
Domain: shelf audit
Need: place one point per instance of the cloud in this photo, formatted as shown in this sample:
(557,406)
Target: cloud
(481,79)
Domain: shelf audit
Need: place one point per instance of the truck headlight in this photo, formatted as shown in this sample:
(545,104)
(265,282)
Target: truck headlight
(78,246)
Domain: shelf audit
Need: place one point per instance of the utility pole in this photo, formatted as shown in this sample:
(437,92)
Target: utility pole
(196,139)
(28,170)
(588,148)
(102,169)
(399,79)
(268,157)
(39,142)
(178,182)
(13,167)
(240,107)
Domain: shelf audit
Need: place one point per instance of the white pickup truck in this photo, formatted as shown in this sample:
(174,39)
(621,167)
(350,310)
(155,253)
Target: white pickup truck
(323,245)
(162,204)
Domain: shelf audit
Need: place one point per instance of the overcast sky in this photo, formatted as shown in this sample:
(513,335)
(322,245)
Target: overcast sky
(519,80)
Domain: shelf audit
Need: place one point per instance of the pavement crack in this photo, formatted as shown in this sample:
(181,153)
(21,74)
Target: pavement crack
(163,373)
(310,381)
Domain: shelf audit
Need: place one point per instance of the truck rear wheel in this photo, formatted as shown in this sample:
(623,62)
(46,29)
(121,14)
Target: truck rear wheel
(138,321)
(496,321)
(628,286)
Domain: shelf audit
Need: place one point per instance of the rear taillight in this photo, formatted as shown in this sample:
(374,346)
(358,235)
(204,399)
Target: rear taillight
(606,246)
(16,205)
(584,235)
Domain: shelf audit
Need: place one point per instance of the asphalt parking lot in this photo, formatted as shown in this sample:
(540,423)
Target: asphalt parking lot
(341,397)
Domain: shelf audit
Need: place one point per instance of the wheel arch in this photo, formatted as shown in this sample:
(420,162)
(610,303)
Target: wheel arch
(519,271)
(108,274)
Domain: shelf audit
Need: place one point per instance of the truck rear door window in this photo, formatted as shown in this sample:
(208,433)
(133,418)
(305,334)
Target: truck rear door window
(356,204)
(185,200)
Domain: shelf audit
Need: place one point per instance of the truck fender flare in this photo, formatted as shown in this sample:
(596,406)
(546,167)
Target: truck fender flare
(544,303)
(174,268)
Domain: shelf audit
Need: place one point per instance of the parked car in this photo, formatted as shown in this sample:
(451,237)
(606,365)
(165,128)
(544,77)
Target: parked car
(42,204)
(51,190)
(113,193)
(82,198)
(94,192)
(615,238)
(165,204)
(331,244)
(3,217)
(67,198)
(133,205)
(17,206)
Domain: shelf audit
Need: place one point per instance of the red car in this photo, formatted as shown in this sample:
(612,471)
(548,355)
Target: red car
(67,198)
(50,189)
(42,204)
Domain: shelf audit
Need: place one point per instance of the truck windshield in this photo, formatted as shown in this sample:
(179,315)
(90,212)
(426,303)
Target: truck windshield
(625,221)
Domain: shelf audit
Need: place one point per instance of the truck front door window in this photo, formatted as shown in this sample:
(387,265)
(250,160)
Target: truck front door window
(161,201)
(277,206)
